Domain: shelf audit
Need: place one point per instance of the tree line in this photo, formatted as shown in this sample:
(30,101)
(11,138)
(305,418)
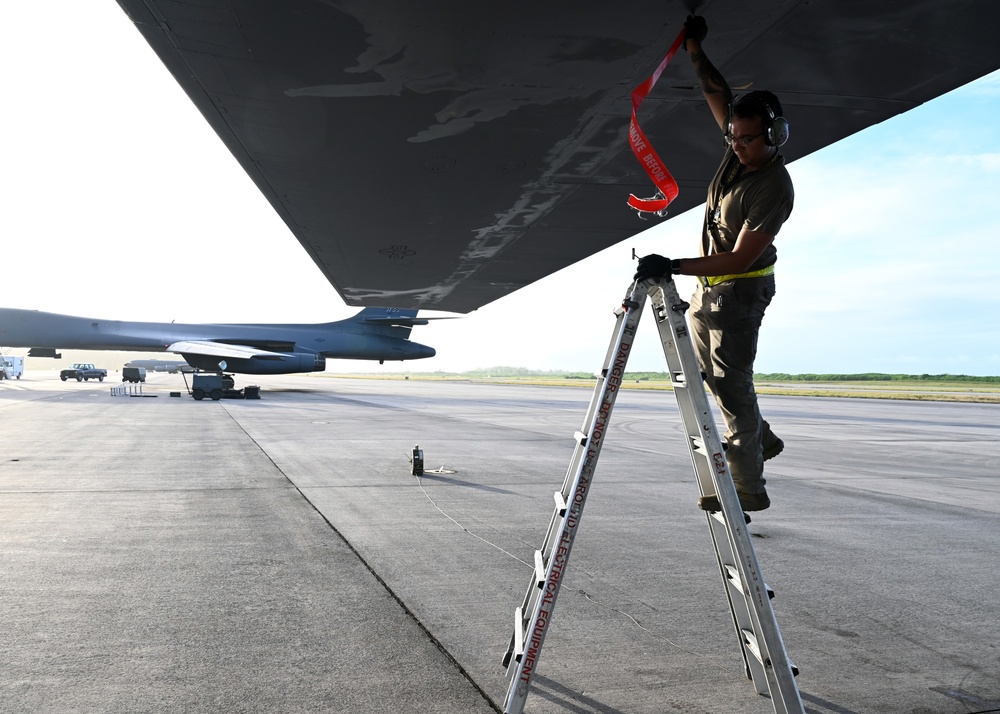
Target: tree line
(515,372)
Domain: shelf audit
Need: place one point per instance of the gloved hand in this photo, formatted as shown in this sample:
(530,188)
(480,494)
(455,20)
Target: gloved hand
(654,266)
(697,29)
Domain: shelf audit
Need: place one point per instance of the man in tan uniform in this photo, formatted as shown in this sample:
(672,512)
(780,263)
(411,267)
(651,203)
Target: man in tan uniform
(749,199)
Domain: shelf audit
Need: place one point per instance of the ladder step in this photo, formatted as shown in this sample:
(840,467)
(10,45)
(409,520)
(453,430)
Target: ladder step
(580,437)
(734,576)
(750,640)
(699,444)
(518,649)
(717,515)
(677,380)
(539,569)
(560,503)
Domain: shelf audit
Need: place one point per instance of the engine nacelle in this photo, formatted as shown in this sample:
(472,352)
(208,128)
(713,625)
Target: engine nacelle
(288,363)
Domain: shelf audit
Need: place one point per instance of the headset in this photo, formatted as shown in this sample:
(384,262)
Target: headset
(775,127)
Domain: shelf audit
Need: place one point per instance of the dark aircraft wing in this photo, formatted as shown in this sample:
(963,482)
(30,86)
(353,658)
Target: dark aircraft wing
(441,154)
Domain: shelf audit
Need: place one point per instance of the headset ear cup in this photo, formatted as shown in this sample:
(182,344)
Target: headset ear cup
(777,132)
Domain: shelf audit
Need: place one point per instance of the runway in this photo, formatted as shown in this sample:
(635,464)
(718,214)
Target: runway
(162,554)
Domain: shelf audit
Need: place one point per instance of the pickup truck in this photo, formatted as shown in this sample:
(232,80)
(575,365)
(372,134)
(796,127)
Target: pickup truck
(81,371)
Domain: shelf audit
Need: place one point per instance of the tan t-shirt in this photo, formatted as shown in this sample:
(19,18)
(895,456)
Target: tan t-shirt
(760,200)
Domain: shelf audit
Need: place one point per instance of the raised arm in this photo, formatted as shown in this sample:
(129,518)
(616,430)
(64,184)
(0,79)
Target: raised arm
(713,85)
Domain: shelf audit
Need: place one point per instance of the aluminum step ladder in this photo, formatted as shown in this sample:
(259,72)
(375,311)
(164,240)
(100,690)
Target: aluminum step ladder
(766,662)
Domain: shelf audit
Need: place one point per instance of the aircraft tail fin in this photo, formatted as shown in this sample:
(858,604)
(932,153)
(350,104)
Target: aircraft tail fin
(389,317)
(394,321)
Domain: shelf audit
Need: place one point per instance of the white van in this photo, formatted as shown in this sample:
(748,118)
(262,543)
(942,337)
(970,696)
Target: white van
(11,367)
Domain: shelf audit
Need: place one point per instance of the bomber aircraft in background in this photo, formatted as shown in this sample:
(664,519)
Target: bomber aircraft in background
(372,334)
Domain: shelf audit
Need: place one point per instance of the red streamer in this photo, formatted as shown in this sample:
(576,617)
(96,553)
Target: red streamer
(644,151)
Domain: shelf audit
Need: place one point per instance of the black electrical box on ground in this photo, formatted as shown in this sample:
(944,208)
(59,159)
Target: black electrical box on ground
(210,384)
(216,386)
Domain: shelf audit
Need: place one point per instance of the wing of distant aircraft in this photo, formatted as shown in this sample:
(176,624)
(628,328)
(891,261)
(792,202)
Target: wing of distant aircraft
(209,348)
(372,334)
(443,154)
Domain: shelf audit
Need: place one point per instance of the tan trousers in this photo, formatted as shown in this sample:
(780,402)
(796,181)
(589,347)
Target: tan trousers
(725,320)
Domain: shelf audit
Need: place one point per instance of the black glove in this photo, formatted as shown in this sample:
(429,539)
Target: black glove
(697,29)
(655,266)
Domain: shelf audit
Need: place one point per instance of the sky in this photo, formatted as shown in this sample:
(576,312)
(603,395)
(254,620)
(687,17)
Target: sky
(121,203)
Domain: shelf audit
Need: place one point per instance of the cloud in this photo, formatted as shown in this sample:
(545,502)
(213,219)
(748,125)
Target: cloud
(988,162)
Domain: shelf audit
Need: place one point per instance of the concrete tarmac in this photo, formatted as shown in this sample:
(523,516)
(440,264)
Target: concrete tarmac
(275,555)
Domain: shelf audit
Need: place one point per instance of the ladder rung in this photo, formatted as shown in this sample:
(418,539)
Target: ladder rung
(699,443)
(717,515)
(560,503)
(750,640)
(734,577)
(518,650)
(677,379)
(580,437)
(539,569)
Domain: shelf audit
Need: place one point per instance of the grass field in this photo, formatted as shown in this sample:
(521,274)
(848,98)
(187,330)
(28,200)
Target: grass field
(941,388)
(954,389)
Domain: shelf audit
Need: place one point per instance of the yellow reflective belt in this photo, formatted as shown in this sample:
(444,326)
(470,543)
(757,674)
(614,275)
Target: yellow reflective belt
(716,279)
